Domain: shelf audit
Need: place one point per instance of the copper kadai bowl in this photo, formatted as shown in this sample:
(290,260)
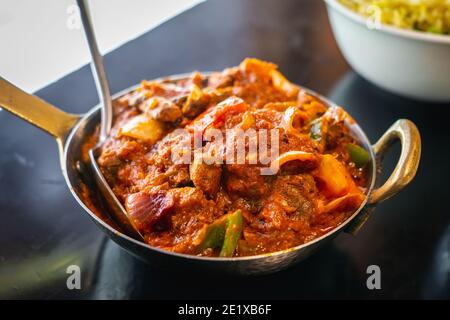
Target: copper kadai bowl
(71,131)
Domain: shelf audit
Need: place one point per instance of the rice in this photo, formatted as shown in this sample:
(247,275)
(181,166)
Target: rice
(422,15)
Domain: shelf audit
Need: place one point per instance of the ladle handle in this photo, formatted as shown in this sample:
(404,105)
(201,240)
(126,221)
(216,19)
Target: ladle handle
(98,70)
(36,111)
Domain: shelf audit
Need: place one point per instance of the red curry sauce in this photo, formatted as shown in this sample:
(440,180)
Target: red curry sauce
(174,205)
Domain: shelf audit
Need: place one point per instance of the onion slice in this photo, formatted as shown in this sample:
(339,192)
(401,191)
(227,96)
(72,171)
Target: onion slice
(350,201)
(304,157)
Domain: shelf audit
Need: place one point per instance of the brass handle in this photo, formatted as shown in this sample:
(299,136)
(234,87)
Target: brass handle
(404,172)
(36,111)
(406,168)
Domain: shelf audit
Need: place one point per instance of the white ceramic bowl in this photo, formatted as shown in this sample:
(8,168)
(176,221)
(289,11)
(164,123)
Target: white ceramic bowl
(410,63)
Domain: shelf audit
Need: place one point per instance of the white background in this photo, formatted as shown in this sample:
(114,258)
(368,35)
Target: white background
(40,41)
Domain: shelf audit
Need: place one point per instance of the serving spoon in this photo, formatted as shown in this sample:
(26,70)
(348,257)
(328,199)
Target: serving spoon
(101,81)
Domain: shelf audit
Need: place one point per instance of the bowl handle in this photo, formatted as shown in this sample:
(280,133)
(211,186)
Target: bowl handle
(405,170)
(36,111)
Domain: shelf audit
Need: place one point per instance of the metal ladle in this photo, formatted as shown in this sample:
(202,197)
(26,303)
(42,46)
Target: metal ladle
(101,81)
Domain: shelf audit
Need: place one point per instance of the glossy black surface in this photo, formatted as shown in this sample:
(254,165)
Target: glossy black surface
(43,230)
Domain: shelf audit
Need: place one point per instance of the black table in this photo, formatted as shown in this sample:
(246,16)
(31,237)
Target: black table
(43,230)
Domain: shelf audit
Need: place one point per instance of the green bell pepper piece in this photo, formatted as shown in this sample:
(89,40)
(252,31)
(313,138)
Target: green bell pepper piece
(232,234)
(224,233)
(215,233)
(358,155)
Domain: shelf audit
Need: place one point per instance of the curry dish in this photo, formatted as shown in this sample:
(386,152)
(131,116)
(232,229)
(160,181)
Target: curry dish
(228,208)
